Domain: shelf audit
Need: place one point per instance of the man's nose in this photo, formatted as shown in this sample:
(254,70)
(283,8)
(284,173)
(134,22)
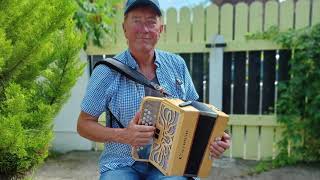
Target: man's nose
(144,28)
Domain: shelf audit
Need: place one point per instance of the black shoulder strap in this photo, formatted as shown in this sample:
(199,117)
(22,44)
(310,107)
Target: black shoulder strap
(110,116)
(131,74)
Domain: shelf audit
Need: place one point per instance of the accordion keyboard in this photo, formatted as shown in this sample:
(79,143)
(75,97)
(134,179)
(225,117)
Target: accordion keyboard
(149,113)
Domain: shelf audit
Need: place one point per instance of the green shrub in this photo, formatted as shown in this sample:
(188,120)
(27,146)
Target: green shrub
(38,66)
(299,101)
(39,46)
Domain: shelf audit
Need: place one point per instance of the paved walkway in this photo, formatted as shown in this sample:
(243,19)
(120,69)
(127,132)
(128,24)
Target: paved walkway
(83,166)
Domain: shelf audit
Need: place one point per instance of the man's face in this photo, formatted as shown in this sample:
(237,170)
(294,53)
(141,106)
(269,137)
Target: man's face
(142,28)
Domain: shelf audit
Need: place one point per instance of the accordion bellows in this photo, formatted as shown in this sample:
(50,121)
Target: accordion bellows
(183,133)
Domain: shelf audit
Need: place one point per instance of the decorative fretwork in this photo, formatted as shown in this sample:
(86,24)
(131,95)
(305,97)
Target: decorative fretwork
(167,124)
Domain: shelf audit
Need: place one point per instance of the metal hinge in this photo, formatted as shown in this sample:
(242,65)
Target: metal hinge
(216,45)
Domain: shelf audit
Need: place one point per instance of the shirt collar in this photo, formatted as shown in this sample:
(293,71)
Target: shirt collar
(132,62)
(157,62)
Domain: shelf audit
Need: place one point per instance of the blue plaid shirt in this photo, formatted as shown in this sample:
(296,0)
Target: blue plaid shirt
(109,89)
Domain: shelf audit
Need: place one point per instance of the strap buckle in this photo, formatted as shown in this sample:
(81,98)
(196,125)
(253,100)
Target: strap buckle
(159,88)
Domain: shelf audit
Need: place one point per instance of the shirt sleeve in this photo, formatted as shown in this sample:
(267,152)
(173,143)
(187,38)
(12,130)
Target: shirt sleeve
(191,93)
(98,92)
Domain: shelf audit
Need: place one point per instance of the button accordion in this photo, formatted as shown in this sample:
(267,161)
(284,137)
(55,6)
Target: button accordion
(184,130)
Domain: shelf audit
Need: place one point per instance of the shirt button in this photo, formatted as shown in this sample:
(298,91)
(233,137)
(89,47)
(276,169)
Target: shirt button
(178,82)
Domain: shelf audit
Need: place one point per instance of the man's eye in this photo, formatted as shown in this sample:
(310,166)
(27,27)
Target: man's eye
(152,22)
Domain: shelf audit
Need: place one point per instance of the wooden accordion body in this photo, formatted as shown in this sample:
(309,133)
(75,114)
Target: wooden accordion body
(183,134)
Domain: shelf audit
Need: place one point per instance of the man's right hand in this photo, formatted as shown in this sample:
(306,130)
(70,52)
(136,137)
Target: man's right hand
(137,135)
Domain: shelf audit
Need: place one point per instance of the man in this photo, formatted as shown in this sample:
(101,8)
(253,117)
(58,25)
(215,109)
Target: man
(108,89)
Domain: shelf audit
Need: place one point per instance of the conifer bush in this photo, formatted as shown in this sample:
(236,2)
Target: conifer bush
(40,43)
(39,64)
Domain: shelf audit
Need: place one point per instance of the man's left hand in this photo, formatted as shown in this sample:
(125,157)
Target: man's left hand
(218,147)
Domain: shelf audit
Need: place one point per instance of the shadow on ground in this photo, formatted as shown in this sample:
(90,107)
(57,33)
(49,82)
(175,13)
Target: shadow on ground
(84,166)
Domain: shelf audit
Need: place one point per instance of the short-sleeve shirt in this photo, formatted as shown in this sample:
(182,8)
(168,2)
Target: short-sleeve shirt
(108,89)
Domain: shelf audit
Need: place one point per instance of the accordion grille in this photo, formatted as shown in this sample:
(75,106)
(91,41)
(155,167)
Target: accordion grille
(167,123)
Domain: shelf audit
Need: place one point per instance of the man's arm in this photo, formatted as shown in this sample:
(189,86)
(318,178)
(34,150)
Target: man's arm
(88,127)
(135,135)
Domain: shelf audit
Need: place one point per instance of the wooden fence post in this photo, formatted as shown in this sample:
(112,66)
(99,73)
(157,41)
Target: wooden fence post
(216,71)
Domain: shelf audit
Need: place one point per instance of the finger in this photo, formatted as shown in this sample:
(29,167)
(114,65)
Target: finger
(226,136)
(214,156)
(144,128)
(224,144)
(145,134)
(136,118)
(218,148)
(214,153)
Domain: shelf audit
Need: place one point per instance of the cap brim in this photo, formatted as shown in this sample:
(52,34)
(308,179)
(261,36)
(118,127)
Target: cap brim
(143,3)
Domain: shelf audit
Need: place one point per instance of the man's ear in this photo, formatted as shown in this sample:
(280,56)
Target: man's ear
(123,28)
(161,28)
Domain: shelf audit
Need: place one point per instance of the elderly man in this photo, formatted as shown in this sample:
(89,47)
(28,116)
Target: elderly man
(108,89)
